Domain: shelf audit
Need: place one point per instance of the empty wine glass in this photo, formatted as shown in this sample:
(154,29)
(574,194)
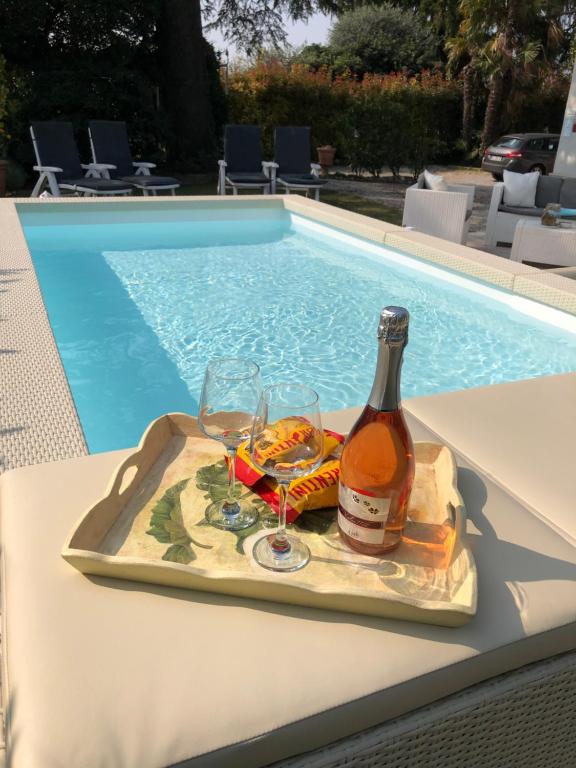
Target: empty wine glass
(287,442)
(230,394)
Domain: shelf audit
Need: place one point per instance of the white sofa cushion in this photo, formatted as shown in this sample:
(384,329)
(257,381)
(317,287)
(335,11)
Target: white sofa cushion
(520,188)
(114,673)
(435,182)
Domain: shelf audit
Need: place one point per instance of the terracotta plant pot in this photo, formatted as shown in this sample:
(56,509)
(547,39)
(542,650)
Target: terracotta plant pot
(3,170)
(326,156)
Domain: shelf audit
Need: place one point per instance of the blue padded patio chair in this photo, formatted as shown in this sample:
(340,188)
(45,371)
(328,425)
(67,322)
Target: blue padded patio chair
(292,169)
(59,166)
(242,167)
(110,146)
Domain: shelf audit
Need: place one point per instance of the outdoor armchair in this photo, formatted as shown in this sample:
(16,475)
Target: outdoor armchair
(242,166)
(442,213)
(59,166)
(292,169)
(110,146)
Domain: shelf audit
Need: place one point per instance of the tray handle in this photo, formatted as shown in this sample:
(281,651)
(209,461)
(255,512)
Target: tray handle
(120,484)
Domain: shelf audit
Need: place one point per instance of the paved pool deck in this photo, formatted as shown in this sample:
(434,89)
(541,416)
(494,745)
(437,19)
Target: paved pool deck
(38,419)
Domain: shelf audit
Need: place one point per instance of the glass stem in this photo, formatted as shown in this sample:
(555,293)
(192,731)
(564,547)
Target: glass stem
(281,545)
(231,498)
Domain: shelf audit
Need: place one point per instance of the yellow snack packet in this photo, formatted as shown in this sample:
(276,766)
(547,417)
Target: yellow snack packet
(291,432)
(316,490)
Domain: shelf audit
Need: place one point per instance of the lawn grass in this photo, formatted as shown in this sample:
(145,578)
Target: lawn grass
(350,202)
(363,205)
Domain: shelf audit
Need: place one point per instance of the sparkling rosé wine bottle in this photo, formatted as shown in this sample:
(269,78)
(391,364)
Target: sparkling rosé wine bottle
(377,464)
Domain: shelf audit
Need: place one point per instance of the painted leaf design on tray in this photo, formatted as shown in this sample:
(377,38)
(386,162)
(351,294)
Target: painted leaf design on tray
(179,553)
(214,480)
(263,513)
(167,526)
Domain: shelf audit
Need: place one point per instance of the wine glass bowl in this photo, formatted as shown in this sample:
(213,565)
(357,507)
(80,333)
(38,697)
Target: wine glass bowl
(230,394)
(287,442)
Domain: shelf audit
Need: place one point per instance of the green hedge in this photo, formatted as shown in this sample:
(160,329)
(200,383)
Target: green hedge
(382,121)
(388,120)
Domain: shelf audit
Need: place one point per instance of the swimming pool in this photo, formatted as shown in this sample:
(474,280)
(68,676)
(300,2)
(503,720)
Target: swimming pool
(139,301)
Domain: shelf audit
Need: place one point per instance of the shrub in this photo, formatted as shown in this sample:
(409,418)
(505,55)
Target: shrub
(381,39)
(381,120)
(270,94)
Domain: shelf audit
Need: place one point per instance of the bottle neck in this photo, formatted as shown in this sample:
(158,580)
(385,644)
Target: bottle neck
(385,394)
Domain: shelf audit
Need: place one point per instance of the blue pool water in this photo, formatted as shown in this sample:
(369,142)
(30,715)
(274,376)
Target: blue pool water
(138,307)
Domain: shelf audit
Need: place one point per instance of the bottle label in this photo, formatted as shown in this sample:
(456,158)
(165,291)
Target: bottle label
(362,516)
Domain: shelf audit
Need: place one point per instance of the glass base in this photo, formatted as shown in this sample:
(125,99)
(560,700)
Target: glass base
(295,556)
(231,517)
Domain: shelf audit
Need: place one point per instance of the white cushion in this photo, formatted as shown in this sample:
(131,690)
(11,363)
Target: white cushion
(520,188)
(99,672)
(466,419)
(435,182)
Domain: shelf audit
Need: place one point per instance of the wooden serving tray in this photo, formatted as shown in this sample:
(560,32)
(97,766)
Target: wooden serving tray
(150,527)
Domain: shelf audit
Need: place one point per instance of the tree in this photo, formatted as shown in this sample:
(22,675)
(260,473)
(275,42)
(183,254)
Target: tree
(381,39)
(3,105)
(314,57)
(509,44)
(145,61)
(442,16)
(182,53)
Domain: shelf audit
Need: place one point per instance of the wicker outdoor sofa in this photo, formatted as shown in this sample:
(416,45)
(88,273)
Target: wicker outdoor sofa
(502,218)
(103,672)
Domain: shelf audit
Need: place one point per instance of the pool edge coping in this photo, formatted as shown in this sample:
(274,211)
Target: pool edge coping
(38,418)
(37,391)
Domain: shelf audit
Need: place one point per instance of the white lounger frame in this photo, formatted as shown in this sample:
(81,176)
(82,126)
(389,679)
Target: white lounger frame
(225,183)
(314,170)
(48,178)
(142,169)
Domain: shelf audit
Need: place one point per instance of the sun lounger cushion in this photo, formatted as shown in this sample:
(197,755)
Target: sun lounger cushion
(99,185)
(242,149)
(110,138)
(248,178)
(58,148)
(305,179)
(151,181)
(292,150)
(101,672)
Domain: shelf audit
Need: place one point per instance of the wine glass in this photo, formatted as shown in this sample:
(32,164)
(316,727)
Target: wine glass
(287,442)
(230,394)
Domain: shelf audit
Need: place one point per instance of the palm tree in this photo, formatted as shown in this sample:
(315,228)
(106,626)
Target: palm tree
(507,43)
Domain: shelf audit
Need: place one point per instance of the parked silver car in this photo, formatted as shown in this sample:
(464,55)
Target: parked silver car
(521,152)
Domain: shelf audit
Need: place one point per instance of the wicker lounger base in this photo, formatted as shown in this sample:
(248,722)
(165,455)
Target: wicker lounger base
(523,718)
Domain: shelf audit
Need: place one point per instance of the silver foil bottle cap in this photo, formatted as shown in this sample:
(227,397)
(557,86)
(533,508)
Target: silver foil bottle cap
(393,326)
